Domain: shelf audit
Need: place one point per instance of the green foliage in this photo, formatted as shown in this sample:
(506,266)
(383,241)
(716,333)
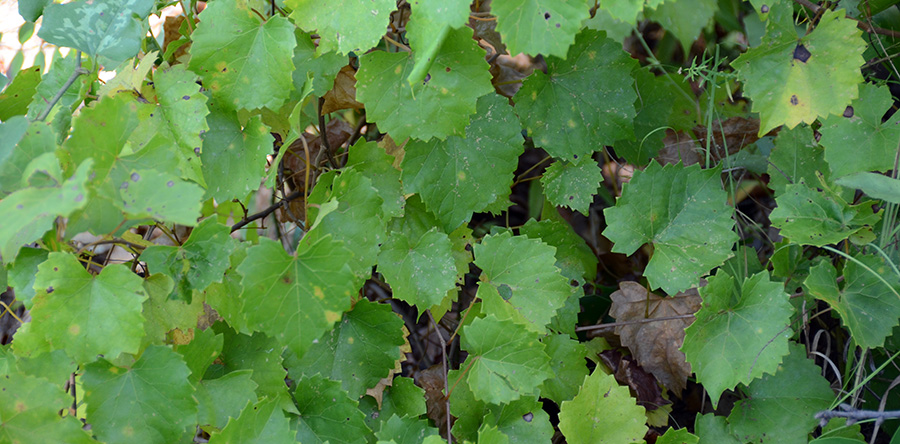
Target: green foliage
(200,254)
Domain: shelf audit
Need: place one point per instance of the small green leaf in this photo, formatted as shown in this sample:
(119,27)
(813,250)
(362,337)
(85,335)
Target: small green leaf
(221,399)
(244,63)
(259,422)
(574,257)
(683,212)
(572,185)
(678,436)
(874,185)
(110,28)
(405,430)
(374,163)
(796,158)
(567,361)
(713,429)
(740,332)
(149,402)
(602,412)
(345,25)
(163,314)
(420,272)
(313,60)
(536,27)
(811,217)
(29,408)
(258,353)
(585,100)
(684,20)
(23,272)
(327,414)
(15,98)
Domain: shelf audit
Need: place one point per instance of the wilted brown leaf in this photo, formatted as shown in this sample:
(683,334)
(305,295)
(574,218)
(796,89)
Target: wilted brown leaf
(655,345)
(432,381)
(680,146)
(343,95)
(641,383)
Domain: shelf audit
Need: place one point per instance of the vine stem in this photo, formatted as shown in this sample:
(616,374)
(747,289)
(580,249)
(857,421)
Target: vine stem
(637,321)
(322,132)
(77,72)
(267,211)
(816,9)
(446,383)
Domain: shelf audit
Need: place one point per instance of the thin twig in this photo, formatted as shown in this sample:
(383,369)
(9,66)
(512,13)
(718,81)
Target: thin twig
(78,72)
(861,24)
(11,312)
(325,145)
(855,415)
(636,321)
(398,44)
(437,330)
(267,211)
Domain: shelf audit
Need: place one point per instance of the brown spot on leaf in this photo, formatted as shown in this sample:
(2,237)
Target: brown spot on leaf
(848,111)
(794,100)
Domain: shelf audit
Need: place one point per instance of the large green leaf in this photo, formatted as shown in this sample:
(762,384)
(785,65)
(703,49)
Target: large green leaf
(572,185)
(857,140)
(781,408)
(420,271)
(868,303)
(796,157)
(508,361)
(234,160)
(148,402)
(459,176)
(110,28)
(82,314)
(683,212)
(296,299)
(151,194)
(29,412)
(740,332)
(244,63)
(99,132)
(540,27)
(262,421)
(439,106)
(345,25)
(602,412)
(812,217)
(327,414)
(360,351)
(523,271)
(585,100)
(182,108)
(795,79)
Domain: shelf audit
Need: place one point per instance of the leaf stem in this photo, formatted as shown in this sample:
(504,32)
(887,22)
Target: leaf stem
(267,211)
(77,72)
(324,135)
(446,382)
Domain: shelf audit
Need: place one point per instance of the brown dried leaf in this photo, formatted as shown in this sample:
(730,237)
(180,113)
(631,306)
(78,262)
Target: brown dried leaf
(642,384)
(656,345)
(739,132)
(432,381)
(343,95)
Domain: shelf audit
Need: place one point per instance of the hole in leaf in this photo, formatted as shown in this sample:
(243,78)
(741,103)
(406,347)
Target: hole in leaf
(848,112)
(546,16)
(764,9)
(135,177)
(528,417)
(801,53)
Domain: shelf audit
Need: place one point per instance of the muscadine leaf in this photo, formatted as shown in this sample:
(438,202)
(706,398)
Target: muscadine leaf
(163,314)
(405,430)
(430,23)
(296,299)
(259,422)
(17,96)
(31,211)
(678,436)
(327,414)
(21,142)
(508,360)
(459,176)
(567,362)
(525,268)
(244,63)
(572,185)
(358,352)
(683,212)
(149,402)
(345,25)
(684,20)
(160,196)
(739,333)
(857,140)
(811,217)
(796,157)
(419,271)
(868,307)
(628,10)
(201,352)
(373,162)
(196,264)
(225,297)
(574,257)
(182,108)
(82,314)
(258,353)
(602,412)
(23,272)
(536,27)
(781,407)
(99,132)
(311,59)
(234,160)
(29,411)
(874,185)
(793,80)
(585,100)
(437,107)
(110,28)
(221,399)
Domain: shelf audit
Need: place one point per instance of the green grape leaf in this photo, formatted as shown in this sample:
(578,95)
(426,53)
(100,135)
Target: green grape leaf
(572,185)
(346,25)
(322,65)
(431,23)
(244,63)
(405,430)
(99,132)
(868,304)
(357,220)
(23,272)
(374,163)
(183,109)
(30,10)
(459,176)
(327,414)
(874,185)
(684,20)
(149,402)
(419,271)
(628,10)
(51,84)
(796,157)
(508,361)
(602,412)
(201,352)
(526,267)
(259,353)
(358,352)
(82,314)
(782,407)
(811,217)
(438,107)
(160,196)
(163,314)
(402,398)
(739,333)
(491,435)
(567,362)
(15,98)
(857,140)
(29,411)
(262,421)
(574,257)
(793,80)
(196,264)
(584,101)
(221,398)
(234,161)
(678,436)
(536,27)
(21,143)
(296,299)
(683,212)
(713,429)
(109,28)
(225,297)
